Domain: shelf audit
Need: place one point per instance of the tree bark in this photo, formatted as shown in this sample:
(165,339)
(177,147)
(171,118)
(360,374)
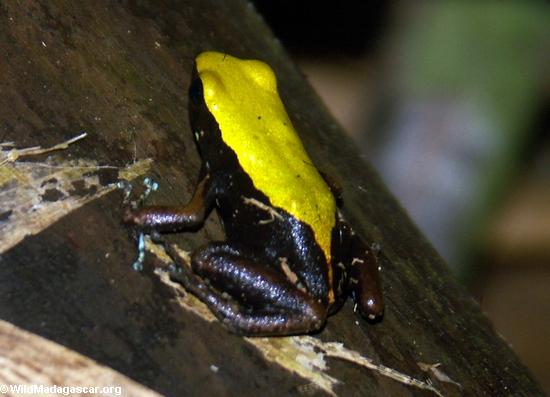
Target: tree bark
(120,72)
(30,362)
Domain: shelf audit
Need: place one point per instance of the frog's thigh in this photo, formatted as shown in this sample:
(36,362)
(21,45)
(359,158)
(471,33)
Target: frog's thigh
(261,300)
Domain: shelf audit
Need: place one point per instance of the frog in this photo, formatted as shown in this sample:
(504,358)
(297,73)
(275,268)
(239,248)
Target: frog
(289,259)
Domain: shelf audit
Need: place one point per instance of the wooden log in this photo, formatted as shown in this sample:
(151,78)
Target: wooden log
(119,72)
(34,365)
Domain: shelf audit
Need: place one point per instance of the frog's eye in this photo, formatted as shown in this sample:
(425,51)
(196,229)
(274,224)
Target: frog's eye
(212,85)
(262,74)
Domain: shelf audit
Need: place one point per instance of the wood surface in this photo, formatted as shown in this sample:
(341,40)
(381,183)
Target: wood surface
(34,365)
(119,71)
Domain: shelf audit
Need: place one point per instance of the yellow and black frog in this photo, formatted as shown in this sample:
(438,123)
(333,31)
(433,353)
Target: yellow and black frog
(289,259)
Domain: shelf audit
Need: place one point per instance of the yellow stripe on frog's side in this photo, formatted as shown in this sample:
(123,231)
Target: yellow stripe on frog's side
(242,96)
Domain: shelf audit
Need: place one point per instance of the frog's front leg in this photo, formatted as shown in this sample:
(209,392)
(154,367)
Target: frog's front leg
(363,270)
(249,296)
(169,219)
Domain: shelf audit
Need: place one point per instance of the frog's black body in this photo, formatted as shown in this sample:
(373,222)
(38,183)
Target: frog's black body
(269,277)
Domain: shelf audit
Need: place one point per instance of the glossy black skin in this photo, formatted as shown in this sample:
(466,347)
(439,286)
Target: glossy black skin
(241,279)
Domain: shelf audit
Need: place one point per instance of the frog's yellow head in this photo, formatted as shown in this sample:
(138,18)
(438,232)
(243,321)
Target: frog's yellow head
(217,70)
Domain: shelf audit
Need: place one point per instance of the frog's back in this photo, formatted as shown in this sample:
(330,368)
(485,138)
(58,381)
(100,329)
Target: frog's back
(242,96)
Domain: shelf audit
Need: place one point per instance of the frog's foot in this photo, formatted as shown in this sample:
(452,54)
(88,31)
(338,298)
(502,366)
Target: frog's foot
(249,297)
(181,271)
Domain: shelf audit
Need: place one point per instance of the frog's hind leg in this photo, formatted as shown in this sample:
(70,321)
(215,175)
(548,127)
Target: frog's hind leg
(248,296)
